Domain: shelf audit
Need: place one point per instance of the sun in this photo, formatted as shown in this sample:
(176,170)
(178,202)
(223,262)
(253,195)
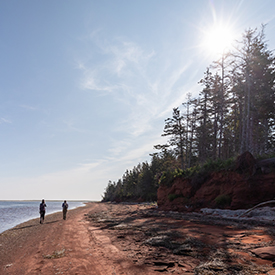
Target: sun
(218,39)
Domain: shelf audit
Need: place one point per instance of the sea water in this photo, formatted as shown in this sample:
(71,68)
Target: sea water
(13,213)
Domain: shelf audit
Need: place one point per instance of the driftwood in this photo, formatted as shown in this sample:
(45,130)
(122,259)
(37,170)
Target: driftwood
(256,206)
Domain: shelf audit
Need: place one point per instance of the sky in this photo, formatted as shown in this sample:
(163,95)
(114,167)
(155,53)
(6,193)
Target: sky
(85,86)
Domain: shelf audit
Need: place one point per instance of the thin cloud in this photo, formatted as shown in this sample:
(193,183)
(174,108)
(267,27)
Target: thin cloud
(178,74)
(70,127)
(118,147)
(135,153)
(27,107)
(4,120)
(147,85)
(125,54)
(92,81)
(136,123)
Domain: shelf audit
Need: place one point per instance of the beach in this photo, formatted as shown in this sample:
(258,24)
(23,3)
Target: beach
(105,238)
(13,213)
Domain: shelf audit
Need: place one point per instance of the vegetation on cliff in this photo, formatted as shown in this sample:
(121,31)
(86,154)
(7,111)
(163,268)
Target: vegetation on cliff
(234,113)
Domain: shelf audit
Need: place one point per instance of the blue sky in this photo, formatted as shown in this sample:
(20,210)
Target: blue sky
(86,85)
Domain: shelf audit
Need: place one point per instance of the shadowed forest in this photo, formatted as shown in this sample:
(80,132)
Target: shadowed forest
(233,113)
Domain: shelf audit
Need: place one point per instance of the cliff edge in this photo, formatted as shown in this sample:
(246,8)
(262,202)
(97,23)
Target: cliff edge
(248,183)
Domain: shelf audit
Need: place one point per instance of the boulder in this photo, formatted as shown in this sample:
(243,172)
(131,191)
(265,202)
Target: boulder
(267,253)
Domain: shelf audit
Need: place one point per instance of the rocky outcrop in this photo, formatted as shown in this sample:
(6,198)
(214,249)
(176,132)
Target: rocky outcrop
(241,188)
(267,253)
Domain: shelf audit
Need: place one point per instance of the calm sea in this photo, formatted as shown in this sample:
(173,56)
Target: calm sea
(13,213)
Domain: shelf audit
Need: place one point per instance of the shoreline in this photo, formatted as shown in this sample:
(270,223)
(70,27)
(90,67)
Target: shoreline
(103,238)
(32,217)
(20,245)
(48,219)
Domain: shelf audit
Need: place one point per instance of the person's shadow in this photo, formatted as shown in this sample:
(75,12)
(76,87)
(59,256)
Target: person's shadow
(32,225)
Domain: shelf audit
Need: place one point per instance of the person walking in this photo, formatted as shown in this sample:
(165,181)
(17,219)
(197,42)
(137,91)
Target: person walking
(65,208)
(42,211)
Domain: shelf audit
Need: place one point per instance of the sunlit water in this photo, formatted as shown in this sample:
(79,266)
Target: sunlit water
(13,213)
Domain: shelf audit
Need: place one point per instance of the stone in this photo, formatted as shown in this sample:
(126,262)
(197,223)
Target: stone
(158,241)
(184,249)
(267,253)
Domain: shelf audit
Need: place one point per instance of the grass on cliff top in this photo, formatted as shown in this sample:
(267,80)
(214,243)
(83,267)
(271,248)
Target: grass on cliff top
(196,173)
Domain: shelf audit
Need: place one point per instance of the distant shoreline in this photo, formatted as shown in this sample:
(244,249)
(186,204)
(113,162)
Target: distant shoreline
(28,219)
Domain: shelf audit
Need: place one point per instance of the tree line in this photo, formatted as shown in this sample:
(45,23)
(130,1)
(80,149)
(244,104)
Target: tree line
(233,113)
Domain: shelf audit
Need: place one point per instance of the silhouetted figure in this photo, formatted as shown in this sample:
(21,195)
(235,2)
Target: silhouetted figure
(42,211)
(65,208)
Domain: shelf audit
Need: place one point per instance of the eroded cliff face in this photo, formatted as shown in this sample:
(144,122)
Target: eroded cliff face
(240,188)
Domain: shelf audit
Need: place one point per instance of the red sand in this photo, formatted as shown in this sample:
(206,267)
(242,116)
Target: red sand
(83,245)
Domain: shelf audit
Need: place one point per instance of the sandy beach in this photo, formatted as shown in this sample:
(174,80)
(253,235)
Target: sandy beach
(102,238)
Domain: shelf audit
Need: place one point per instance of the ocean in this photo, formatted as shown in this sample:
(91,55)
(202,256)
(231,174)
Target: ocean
(13,213)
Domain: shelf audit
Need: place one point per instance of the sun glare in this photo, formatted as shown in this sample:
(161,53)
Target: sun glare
(218,39)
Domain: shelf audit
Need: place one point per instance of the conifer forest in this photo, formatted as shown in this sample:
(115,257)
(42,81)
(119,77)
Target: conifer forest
(233,113)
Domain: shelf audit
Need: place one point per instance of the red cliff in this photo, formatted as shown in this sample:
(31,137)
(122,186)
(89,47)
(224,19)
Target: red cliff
(248,184)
